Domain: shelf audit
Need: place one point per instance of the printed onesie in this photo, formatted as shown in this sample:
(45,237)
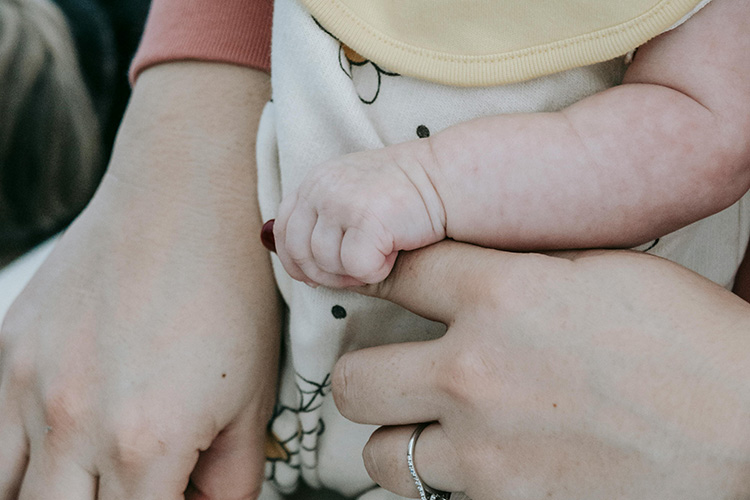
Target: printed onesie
(328,101)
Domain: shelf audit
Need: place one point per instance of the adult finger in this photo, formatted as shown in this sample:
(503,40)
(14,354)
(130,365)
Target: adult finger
(434,459)
(14,454)
(14,444)
(389,385)
(437,281)
(233,466)
(112,488)
(55,476)
(139,470)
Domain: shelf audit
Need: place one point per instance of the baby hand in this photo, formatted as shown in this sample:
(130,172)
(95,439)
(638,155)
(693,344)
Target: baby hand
(346,222)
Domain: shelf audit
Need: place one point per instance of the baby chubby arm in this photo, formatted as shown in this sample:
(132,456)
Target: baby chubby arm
(668,147)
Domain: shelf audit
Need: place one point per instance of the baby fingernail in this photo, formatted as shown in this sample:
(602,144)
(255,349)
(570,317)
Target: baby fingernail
(266,235)
(311,284)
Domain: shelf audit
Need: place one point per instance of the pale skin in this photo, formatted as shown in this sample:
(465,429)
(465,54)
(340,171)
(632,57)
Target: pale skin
(112,361)
(620,168)
(144,352)
(589,375)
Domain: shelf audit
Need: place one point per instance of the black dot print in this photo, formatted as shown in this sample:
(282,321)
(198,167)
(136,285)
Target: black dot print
(338,312)
(423,132)
(652,245)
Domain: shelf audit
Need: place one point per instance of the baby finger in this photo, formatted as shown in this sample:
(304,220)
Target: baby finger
(325,244)
(296,244)
(286,210)
(365,257)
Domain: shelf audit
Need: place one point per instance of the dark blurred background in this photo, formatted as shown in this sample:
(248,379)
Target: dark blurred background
(63,90)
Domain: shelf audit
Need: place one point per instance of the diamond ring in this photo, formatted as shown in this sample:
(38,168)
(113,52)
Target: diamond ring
(425,492)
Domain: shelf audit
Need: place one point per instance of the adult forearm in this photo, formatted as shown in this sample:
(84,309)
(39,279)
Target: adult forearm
(189,134)
(616,169)
(185,159)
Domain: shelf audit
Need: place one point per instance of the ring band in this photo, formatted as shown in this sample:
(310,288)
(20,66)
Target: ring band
(422,487)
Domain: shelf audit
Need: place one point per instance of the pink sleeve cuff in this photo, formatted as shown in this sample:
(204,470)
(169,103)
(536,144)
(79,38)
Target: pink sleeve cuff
(232,31)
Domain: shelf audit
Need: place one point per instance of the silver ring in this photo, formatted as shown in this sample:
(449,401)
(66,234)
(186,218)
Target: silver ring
(422,487)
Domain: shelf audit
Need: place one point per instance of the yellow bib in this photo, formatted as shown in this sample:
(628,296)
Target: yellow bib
(493,42)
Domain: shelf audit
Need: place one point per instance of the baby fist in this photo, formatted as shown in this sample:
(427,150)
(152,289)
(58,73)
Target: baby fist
(346,223)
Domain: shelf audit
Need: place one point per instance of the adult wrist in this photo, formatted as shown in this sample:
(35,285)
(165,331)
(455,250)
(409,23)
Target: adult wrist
(183,164)
(189,133)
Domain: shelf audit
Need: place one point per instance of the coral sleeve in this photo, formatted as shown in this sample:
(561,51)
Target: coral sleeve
(232,31)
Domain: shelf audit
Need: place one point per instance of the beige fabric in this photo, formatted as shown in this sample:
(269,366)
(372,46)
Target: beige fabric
(491,42)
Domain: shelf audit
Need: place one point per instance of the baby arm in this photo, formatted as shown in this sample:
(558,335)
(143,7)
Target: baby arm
(668,147)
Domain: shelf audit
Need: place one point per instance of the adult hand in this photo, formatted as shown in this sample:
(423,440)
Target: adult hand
(585,375)
(144,352)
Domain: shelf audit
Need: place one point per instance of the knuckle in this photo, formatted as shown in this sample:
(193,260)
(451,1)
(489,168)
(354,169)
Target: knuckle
(370,457)
(242,487)
(325,254)
(21,368)
(498,288)
(340,384)
(298,254)
(64,407)
(134,441)
(468,375)
(385,463)
(513,288)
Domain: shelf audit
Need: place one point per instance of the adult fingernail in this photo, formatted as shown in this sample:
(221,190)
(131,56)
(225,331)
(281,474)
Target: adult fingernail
(266,235)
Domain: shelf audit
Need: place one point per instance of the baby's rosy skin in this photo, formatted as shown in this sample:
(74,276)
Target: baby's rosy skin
(617,169)
(347,221)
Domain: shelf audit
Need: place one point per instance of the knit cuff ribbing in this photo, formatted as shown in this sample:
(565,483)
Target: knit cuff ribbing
(231,31)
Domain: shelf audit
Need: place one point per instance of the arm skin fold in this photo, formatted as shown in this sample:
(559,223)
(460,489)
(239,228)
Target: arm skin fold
(667,148)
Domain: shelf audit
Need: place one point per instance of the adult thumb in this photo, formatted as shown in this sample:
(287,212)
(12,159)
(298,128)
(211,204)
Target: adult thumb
(233,466)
